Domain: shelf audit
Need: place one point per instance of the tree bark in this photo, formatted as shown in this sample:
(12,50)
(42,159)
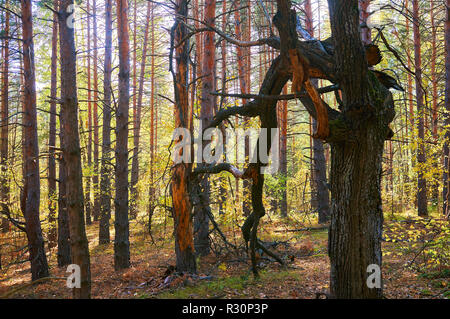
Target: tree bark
(319,176)
(121,223)
(39,266)
(356,215)
(283,155)
(95,184)
(201,216)
(72,151)
(153,130)
(105,184)
(182,207)
(446,177)
(137,119)
(4,111)
(422,202)
(52,195)
(88,177)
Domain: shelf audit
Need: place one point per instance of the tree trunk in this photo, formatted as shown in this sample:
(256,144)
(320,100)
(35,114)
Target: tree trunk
(89,120)
(137,119)
(446,177)
(356,216)
(242,60)
(184,245)
(422,202)
(64,251)
(121,223)
(39,266)
(366,36)
(96,207)
(201,218)
(320,194)
(133,191)
(283,155)
(153,130)
(52,236)
(105,184)
(72,151)
(4,111)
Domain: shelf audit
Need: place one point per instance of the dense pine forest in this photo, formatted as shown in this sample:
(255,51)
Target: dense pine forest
(290,149)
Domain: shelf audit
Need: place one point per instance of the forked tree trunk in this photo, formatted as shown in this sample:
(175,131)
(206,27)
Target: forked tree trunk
(72,151)
(121,223)
(422,202)
(184,243)
(39,266)
(105,184)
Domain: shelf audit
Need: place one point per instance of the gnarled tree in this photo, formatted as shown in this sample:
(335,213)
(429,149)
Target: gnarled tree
(356,134)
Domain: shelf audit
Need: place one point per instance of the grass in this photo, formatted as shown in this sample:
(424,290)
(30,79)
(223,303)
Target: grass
(242,286)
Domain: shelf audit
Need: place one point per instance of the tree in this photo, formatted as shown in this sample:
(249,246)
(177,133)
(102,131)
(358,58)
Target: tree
(121,223)
(89,120)
(422,202)
(446,178)
(153,128)
(320,193)
(52,236)
(137,117)
(31,193)
(96,207)
(367,110)
(4,128)
(181,204)
(208,101)
(71,149)
(105,184)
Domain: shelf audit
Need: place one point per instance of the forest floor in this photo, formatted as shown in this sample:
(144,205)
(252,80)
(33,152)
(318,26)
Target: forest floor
(407,270)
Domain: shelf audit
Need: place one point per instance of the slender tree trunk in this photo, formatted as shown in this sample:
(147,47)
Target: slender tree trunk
(72,151)
(121,223)
(422,202)
(134,179)
(95,184)
(222,180)
(39,266)
(244,87)
(319,176)
(201,216)
(434,122)
(4,111)
(105,184)
(52,236)
(283,155)
(89,120)
(184,245)
(363,18)
(137,118)
(153,128)
(446,178)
